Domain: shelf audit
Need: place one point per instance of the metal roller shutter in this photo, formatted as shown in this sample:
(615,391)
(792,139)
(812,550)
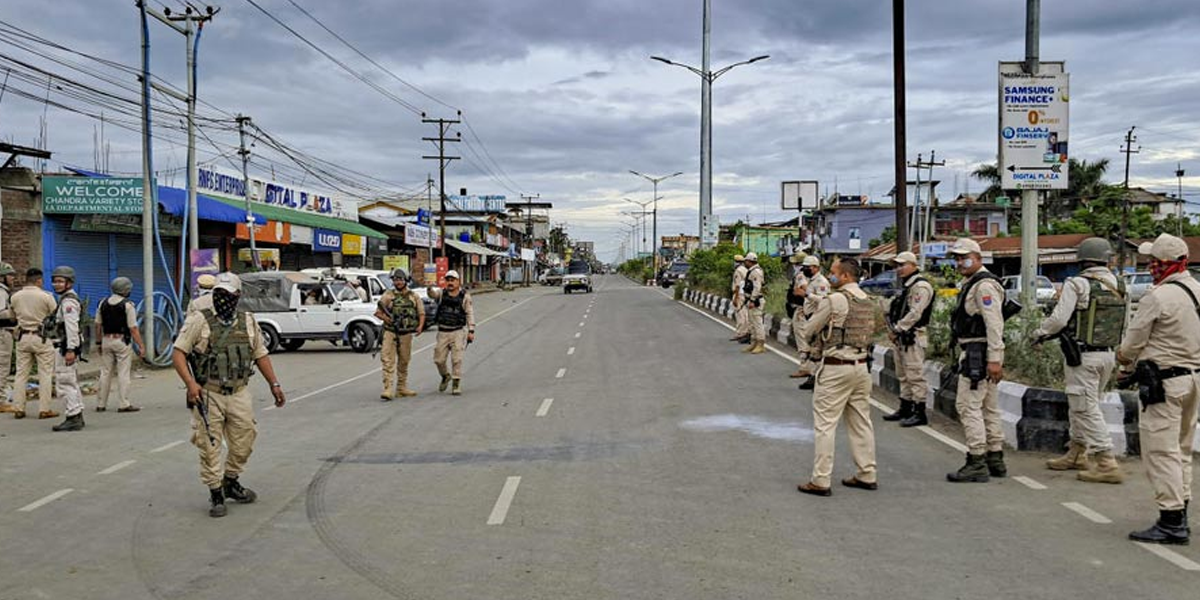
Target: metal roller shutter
(87,253)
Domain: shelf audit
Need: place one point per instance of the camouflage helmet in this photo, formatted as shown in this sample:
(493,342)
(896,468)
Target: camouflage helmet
(399,273)
(1094,249)
(797,258)
(7,269)
(65,272)
(121,286)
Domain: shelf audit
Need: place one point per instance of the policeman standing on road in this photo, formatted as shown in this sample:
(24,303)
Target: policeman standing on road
(1088,318)
(203,300)
(8,321)
(33,308)
(215,355)
(69,340)
(753,291)
(908,315)
(116,327)
(403,317)
(818,287)
(740,311)
(1164,340)
(795,301)
(977,326)
(456,329)
(845,322)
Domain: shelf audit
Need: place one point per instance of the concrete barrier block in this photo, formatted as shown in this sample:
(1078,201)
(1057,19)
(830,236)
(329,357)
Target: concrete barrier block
(785,331)
(724,306)
(1010,397)
(1044,425)
(767,323)
(933,377)
(1113,409)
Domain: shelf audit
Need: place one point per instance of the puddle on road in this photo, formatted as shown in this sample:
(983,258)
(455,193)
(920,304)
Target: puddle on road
(755,426)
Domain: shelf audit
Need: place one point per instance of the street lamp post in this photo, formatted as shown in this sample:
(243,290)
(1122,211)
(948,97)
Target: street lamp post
(644,212)
(654,181)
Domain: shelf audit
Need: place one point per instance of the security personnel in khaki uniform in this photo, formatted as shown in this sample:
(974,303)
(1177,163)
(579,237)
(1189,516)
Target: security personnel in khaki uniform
(117,330)
(908,315)
(8,321)
(845,322)
(753,290)
(977,326)
(818,287)
(69,341)
(1165,330)
(456,329)
(32,306)
(204,299)
(741,312)
(796,302)
(1091,312)
(215,355)
(403,317)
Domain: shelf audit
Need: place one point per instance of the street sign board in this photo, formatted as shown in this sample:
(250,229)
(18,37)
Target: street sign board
(92,195)
(798,195)
(934,249)
(1034,111)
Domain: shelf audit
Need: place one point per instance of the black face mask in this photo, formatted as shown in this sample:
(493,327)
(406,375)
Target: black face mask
(808,271)
(225,305)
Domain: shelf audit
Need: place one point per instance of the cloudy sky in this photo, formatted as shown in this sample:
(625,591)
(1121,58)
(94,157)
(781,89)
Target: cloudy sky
(562,99)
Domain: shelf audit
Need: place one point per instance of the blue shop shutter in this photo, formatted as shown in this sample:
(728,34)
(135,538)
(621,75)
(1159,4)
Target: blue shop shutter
(128,263)
(88,254)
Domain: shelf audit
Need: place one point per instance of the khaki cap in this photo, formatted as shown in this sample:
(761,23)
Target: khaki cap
(966,246)
(797,258)
(738,257)
(229,282)
(206,282)
(451,274)
(752,257)
(811,261)
(905,257)
(1165,247)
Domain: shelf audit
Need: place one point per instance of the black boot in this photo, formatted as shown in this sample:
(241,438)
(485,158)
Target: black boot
(217,503)
(974,471)
(234,491)
(72,423)
(745,339)
(809,383)
(1171,528)
(1186,525)
(918,417)
(995,464)
(906,411)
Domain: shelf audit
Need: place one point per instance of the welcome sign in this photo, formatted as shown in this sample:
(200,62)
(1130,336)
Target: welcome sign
(91,195)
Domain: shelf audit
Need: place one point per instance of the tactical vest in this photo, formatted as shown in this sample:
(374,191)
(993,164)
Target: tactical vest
(1099,324)
(899,305)
(963,325)
(748,286)
(404,313)
(113,320)
(452,313)
(228,363)
(858,330)
(7,317)
(55,326)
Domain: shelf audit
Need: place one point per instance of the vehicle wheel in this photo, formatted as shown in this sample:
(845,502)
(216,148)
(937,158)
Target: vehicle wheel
(292,344)
(362,337)
(270,338)
(566,291)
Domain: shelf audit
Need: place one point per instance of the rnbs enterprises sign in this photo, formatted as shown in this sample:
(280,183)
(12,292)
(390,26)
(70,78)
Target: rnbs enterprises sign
(91,195)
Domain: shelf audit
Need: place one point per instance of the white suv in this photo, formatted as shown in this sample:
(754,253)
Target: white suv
(292,308)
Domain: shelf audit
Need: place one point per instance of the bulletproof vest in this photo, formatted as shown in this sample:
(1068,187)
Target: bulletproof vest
(113,319)
(1101,321)
(404,313)
(899,305)
(228,362)
(7,317)
(748,286)
(452,314)
(54,326)
(858,330)
(963,325)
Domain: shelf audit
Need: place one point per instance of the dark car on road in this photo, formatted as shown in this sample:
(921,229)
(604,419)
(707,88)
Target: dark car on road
(883,284)
(673,274)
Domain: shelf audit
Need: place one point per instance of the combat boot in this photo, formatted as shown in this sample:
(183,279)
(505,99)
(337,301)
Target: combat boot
(72,423)
(1171,528)
(18,414)
(808,384)
(906,408)
(758,348)
(995,464)
(974,471)
(745,339)
(918,417)
(7,407)
(386,396)
(406,393)
(456,388)
(1103,468)
(445,382)
(234,491)
(1074,459)
(216,503)
(47,414)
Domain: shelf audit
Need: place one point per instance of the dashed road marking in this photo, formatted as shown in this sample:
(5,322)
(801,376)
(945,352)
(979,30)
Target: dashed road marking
(116,467)
(165,447)
(1087,513)
(927,430)
(561,373)
(578,335)
(1171,556)
(571,350)
(500,510)
(1029,482)
(581,323)
(32,506)
(545,407)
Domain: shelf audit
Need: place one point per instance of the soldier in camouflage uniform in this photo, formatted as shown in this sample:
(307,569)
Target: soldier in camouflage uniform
(403,317)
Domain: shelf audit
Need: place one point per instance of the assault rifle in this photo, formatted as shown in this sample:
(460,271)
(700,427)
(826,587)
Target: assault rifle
(1066,341)
(200,405)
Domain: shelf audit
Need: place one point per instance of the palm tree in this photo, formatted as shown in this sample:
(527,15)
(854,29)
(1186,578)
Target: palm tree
(990,174)
(1085,183)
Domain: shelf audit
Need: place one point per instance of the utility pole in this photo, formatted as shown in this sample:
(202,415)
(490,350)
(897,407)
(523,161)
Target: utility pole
(915,216)
(923,225)
(1128,150)
(1030,198)
(529,229)
(706,208)
(149,206)
(245,154)
(899,120)
(443,161)
(1179,216)
(429,225)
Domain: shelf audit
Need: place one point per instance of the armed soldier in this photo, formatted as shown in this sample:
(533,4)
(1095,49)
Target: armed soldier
(456,329)
(69,340)
(977,327)
(215,355)
(844,321)
(795,302)
(817,288)
(116,327)
(740,311)
(1088,320)
(753,290)
(34,309)
(403,317)
(8,321)
(1164,341)
(908,315)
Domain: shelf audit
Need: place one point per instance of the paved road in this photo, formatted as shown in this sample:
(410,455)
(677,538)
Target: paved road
(608,445)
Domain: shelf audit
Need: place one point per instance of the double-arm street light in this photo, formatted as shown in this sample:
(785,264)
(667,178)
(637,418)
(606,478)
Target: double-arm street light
(654,181)
(643,217)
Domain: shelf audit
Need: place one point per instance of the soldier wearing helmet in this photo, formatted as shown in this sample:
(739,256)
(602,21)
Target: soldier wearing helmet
(117,330)
(403,316)
(31,307)
(69,340)
(8,321)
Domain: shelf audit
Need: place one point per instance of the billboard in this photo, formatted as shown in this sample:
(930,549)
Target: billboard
(798,195)
(1034,117)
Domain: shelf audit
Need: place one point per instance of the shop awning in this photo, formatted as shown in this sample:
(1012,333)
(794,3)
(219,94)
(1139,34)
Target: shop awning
(174,201)
(472,248)
(296,217)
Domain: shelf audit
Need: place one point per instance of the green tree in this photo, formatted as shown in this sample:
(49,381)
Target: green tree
(989,174)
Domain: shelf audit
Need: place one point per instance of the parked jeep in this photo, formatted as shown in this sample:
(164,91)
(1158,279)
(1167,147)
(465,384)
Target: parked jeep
(292,308)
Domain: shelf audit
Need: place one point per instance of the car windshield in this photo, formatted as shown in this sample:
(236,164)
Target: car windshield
(679,268)
(578,267)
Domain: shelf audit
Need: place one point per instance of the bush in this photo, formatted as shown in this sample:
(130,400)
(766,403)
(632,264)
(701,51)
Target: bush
(1038,366)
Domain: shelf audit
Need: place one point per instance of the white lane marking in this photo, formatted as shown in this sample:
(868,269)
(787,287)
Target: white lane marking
(116,467)
(571,350)
(561,373)
(165,447)
(271,407)
(1087,513)
(927,430)
(581,323)
(32,506)
(1029,482)
(585,316)
(500,510)
(545,407)
(578,335)
(1171,556)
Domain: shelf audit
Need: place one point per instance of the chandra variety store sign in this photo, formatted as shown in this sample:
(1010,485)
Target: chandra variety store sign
(92,195)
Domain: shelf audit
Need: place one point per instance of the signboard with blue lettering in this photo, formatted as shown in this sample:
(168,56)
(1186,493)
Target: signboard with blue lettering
(1034,112)
(212,181)
(423,216)
(325,240)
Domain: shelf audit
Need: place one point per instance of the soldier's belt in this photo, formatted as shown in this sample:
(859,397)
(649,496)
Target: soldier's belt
(1173,372)
(217,388)
(829,360)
